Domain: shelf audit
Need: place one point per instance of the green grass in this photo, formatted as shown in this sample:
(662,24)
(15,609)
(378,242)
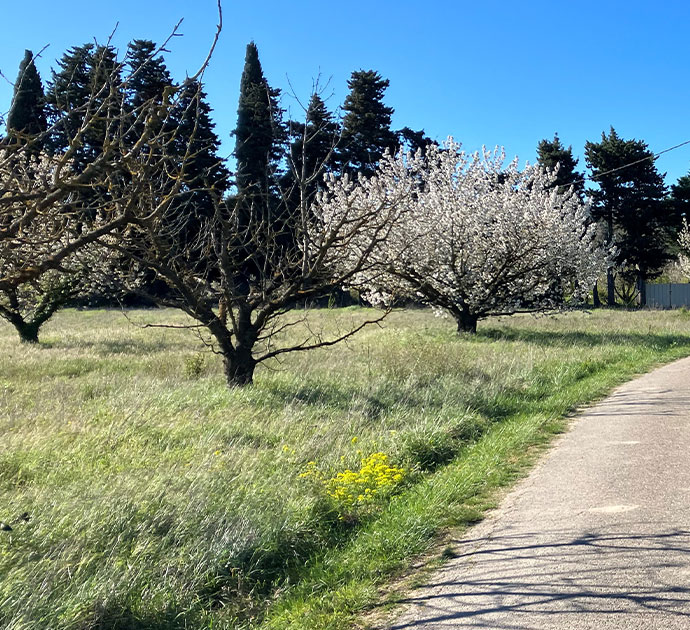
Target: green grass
(159,499)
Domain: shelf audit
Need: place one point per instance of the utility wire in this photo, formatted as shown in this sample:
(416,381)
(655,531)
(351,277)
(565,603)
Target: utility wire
(620,168)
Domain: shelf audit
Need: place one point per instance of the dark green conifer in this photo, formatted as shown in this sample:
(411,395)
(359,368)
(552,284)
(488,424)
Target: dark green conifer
(27,118)
(552,153)
(259,136)
(629,201)
(312,153)
(85,87)
(412,141)
(367,123)
(68,94)
(196,147)
(148,76)
(679,200)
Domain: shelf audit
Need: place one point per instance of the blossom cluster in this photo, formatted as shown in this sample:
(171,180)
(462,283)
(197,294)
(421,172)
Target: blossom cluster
(684,242)
(471,234)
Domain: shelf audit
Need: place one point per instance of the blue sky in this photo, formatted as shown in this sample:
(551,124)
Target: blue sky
(488,73)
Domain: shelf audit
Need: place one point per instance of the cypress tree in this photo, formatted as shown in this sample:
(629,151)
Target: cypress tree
(27,118)
(367,123)
(258,136)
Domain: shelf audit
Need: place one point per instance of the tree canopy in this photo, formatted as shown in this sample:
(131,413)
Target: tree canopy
(367,123)
(552,155)
(629,201)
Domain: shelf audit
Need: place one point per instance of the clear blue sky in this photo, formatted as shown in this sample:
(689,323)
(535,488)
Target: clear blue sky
(488,73)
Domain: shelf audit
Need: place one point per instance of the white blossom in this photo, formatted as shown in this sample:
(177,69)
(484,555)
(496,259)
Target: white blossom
(472,236)
(684,242)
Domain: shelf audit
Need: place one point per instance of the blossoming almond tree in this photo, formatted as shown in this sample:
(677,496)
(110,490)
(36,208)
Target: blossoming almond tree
(478,238)
(28,240)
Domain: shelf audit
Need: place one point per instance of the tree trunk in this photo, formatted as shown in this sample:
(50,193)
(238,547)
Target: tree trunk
(596,302)
(642,287)
(238,361)
(610,288)
(467,323)
(239,369)
(28,332)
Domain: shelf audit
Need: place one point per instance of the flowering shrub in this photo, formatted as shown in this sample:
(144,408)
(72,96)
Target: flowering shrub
(356,492)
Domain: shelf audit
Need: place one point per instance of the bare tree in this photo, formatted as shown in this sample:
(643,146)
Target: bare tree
(229,267)
(55,205)
(240,260)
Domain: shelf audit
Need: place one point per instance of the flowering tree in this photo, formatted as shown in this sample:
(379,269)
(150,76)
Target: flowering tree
(31,237)
(478,238)
(684,242)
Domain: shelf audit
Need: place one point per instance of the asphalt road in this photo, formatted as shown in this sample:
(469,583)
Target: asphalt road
(598,535)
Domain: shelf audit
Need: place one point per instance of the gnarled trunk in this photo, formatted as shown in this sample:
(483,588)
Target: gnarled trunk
(28,326)
(28,332)
(238,361)
(239,369)
(467,323)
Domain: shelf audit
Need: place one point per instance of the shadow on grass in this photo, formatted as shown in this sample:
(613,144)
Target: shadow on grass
(584,339)
(332,395)
(135,347)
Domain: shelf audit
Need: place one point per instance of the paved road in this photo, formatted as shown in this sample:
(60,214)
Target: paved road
(598,536)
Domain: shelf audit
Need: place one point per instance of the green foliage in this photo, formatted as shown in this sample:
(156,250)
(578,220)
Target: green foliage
(26,117)
(149,75)
(206,177)
(366,124)
(412,141)
(195,365)
(679,202)
(258,134)
(85,84)
(552,153)
(432,449)
(630,203)
(311,154)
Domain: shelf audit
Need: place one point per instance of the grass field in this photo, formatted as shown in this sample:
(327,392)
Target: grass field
(157,499)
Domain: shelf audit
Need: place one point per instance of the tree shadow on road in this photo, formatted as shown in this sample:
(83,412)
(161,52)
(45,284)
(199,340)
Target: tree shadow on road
(515,582)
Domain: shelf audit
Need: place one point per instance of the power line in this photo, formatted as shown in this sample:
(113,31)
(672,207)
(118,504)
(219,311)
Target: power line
(652,157)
